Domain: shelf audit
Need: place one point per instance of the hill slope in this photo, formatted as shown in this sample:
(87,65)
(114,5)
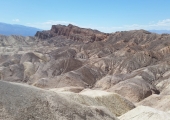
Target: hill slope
(134,64)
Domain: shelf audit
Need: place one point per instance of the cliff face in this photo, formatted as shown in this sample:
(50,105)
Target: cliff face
(73,32)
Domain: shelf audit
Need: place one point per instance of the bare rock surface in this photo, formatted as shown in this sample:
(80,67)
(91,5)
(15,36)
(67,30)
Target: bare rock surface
(68,89)
(73,32)
(134,64)
(164,87)
(160,102)
(23,102)
(145,113)
(134,89)
(112,101)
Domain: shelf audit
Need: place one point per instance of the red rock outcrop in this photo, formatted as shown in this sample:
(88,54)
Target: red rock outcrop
(73,32)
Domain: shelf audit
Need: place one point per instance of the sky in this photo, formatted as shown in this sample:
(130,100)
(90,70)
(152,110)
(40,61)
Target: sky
(103,15)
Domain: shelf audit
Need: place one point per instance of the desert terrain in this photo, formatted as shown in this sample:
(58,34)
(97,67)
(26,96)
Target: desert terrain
(73,73)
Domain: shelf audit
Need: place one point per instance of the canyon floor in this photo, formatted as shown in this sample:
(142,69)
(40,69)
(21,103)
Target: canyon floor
(73,73)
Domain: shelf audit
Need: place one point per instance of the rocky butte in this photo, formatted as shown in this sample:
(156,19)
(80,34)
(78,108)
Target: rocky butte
(73,32)
(73,73)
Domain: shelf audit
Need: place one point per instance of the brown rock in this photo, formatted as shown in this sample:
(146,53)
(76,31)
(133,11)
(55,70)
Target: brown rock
(73,32)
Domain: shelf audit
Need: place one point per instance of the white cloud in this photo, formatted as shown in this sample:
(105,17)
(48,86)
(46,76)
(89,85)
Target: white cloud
(47,25)
(16,20)
(165,22)
(160,25)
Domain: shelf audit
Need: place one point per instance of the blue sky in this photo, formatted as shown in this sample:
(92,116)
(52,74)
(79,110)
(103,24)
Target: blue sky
(104,15)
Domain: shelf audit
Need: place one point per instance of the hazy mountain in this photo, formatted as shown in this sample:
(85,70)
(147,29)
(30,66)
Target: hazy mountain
(160,31)
(9,29)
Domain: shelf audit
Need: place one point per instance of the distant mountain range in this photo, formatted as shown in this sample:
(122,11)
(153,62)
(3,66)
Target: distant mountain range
(160,31)
(14,29)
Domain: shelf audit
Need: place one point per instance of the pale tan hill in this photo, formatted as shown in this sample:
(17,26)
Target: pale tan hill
(145,113)
(24,102)
(130,63)
(160,102)
(112,101)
